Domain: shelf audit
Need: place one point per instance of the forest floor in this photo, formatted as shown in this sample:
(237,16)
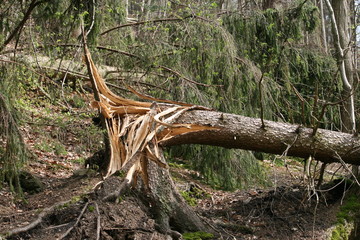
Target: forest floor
(283,210)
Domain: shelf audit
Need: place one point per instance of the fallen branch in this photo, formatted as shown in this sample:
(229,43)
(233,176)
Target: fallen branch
(58,226)
(235,131)
(25,66)
(75,224)
(37,221)
(347,168)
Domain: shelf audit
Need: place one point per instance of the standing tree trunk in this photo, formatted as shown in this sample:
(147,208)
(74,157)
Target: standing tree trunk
(342,40)
(341,22)
(172,213)
(323,26)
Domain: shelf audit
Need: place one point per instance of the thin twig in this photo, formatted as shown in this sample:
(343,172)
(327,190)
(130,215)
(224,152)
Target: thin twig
(185,78)
(117,51)
(289,146)
(346,168)
(75,224)
(333,187)
(302,100)
(98,222)
(144,22)
(58,226)
(323,110)
(261,102)
(315,210)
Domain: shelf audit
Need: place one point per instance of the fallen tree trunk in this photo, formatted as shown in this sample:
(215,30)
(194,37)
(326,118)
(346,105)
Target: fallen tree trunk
(137,129)
(235,131)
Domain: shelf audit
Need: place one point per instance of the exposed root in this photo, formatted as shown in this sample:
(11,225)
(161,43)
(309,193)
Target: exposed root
(75,224)
(116,194)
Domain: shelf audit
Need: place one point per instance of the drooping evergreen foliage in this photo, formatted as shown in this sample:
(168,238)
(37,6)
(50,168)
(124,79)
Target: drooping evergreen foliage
(13,152)
(268,46)
(277,42)
(272,48)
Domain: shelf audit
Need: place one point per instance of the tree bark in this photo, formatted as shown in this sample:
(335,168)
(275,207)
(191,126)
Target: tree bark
(323,26)
(170,210)
(341,33)
(235,131)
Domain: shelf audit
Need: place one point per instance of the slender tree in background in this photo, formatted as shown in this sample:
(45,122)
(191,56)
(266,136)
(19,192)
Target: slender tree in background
(340,16)
(323,25)
(341,28)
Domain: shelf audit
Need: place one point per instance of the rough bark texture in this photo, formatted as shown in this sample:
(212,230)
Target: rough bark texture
(236,131)
(172,213)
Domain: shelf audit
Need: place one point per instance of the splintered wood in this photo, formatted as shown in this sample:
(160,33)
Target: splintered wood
(136,128)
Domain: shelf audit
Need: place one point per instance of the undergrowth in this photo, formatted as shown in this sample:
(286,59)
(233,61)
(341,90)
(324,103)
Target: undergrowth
(347,219)
(197,236)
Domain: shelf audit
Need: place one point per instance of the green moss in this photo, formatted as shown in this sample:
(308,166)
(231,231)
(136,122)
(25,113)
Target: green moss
(188,198)
(193,194)
(65,205)
(79,160)
(350,210)
(75,199)
(91,208)
(120,174)
(348,214)
(179,165)
(59,149)
(77,102)
(341,231)
(197,236)
(51,146)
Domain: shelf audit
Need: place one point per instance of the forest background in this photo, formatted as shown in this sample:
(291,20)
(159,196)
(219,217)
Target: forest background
(285,61)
